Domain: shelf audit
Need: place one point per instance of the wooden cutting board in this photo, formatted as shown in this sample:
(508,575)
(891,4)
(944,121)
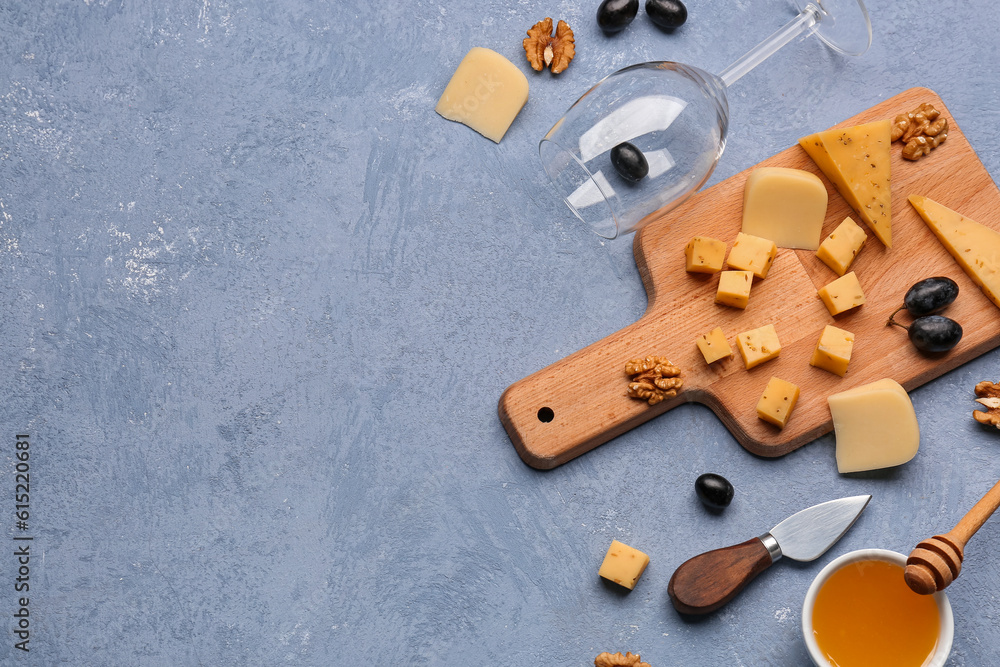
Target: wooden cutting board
(580,402)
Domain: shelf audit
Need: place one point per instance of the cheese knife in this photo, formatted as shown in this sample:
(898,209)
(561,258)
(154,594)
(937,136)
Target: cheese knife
(708,581)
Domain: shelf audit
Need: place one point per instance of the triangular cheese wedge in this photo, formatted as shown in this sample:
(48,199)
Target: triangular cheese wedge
(856,159)
(974,246)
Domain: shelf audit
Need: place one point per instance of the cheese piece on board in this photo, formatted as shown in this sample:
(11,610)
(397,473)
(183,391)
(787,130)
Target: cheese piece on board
(875,425)
(734,288)
(758,345)
(787,206)
(974,246)
(833,351)
(623,564)
(842,294)
(777,402)
(843,244)
(752,253)
(856,160)
(714,346)
(486,93)
(704,255)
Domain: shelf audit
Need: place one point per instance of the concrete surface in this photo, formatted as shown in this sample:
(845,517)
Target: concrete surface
(259,302)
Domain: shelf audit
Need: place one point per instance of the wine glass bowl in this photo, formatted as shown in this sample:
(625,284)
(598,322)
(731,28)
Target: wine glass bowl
(677,116)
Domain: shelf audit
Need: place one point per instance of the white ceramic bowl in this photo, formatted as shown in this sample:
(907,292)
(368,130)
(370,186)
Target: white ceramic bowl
(944,607)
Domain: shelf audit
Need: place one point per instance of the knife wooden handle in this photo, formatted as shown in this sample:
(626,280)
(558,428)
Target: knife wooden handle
(708,581)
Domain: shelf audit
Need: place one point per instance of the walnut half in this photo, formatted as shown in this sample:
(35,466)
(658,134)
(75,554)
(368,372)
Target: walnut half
(653,379)
(545,50)
(921,130)
(618,660)
(989,395)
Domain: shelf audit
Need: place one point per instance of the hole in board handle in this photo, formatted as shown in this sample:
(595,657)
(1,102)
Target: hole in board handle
(546,415)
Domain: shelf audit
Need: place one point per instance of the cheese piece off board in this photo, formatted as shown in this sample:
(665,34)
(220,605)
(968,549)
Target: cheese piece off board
(580,402)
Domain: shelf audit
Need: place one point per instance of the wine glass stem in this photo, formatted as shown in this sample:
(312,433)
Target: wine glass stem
(809,17)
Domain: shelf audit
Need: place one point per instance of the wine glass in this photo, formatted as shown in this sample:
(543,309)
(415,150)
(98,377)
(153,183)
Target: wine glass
(676,116)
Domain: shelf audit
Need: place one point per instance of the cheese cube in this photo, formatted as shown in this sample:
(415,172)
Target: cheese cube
(486,93)
(714,345)
(758,345)
(704,255)
(840,248)
(833,351)
(734,288)
(752,253)
(787,206)
(623,564)
(875,425)
(842,294)
(777,402)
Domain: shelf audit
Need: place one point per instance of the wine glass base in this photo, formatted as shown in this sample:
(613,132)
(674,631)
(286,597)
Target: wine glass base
(843,25)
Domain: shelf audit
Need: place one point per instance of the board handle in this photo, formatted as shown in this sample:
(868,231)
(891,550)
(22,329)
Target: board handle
(708,581)
(581,401)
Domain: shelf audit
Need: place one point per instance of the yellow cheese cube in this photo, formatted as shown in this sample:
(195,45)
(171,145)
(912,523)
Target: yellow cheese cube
(787,206)
(752,253)
(876,426)
(758,345)
(833,351)
(705,255)
(840,248)
(623,564)
(734,288)
(714,345)
(486,93)
(842,294)
(777,402)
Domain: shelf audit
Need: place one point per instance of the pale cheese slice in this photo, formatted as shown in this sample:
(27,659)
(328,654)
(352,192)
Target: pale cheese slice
(486,93)
(786,206)
(876,426)
(856,159)
(974,246)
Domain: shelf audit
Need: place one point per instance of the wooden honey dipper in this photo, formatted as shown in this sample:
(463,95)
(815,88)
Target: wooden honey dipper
(936,562)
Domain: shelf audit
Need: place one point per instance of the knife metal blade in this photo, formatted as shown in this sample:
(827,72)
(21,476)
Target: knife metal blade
(807,535)
(708,581)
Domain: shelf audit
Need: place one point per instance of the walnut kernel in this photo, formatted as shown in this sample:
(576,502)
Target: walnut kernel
(921,130)
(653,379)
(618,660)
(989,395)
(545,50)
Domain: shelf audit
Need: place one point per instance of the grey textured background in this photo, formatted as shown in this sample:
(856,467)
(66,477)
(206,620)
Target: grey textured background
(259,302)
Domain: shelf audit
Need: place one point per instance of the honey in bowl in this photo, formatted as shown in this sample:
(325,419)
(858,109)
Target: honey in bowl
(865,614)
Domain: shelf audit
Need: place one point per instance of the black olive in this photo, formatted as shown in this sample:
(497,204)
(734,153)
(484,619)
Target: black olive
(935,333)
(930,296)
(667,13)
(614,15)
(932,333)
(629,162)
(714,491)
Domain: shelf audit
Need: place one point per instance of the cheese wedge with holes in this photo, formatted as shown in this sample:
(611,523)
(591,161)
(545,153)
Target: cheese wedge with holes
(974,246)
(856,160)
(875,425)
